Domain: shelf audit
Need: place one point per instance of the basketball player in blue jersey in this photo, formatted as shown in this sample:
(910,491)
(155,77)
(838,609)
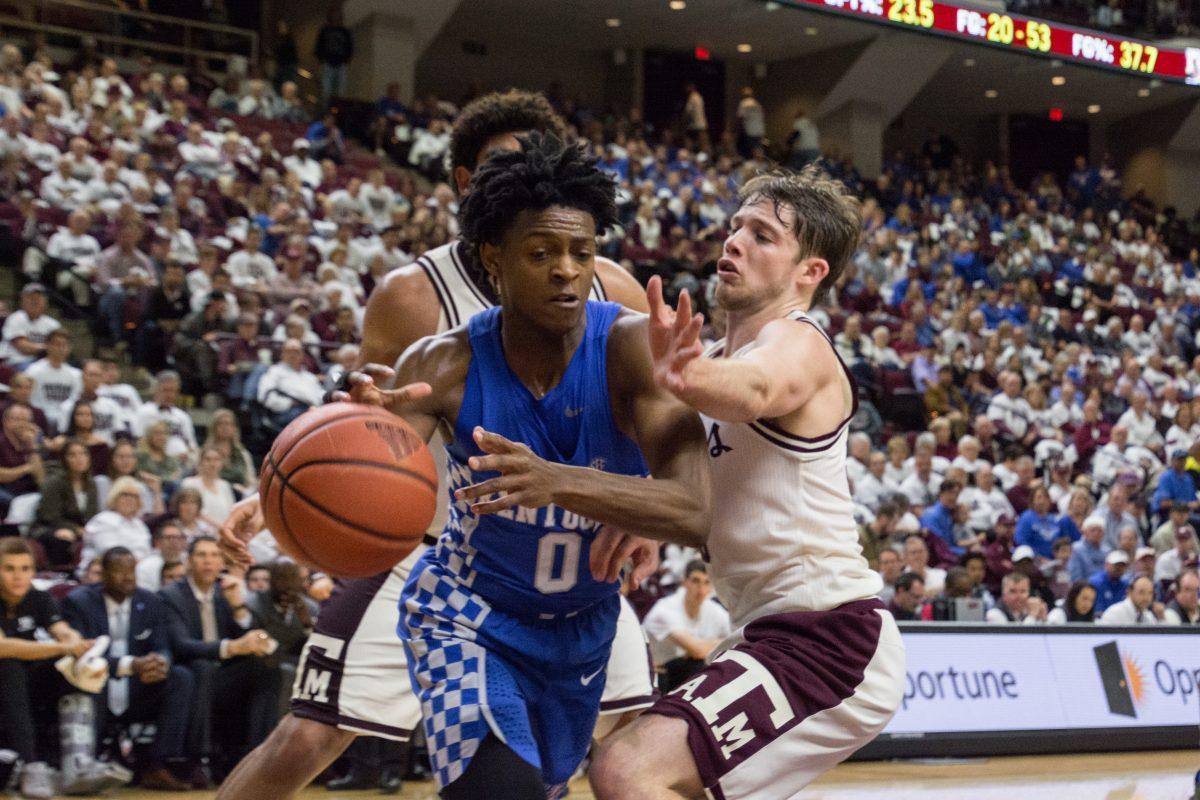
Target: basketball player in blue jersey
(353,650)
(548,405)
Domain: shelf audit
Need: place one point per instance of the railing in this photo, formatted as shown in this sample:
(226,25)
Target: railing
(124,28)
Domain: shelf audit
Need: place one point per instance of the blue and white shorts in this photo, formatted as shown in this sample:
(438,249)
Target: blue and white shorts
(535,684)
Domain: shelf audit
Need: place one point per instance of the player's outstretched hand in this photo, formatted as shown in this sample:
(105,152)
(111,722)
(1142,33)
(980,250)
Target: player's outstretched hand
(365,387)
(613,547)
(525,479)
(674,337)
(244,522)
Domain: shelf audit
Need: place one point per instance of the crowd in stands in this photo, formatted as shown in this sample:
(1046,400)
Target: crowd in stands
(1160,18)
(1025,358)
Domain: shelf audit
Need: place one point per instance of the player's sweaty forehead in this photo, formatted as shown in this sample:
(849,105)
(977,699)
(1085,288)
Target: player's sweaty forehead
(763,212)
(556,222)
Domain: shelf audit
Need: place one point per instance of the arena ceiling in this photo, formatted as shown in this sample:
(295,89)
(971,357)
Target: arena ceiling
(1023,84)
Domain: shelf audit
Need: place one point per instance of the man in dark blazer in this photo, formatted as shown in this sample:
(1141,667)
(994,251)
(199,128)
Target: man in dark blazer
(236,701)
(144,686)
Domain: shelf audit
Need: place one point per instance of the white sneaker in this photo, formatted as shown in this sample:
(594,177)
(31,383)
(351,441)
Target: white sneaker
(37,781)
(94,778)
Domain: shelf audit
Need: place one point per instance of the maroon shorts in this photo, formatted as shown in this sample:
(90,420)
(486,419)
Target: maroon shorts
(798,694)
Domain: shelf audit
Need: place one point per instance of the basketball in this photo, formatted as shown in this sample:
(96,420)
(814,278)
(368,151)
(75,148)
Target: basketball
(348,489)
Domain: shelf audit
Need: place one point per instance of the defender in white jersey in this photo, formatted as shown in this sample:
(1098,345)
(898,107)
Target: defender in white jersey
(353,678)
(815,668)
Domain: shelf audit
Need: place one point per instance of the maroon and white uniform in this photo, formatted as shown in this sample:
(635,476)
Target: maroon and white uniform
(815,667)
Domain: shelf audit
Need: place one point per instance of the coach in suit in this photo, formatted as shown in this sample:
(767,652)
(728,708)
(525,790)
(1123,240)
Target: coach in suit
(144,685)
(209,634)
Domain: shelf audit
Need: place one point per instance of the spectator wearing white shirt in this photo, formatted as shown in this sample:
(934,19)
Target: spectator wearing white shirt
(26,329)
(874,486)
(1141,424)
(54,380)
(922,485)
(1016,606)
(429,148)
(303,165)
(77,249)
(380,200)
(684,628)
(119,525)
(181,246)
(287,389)
(1183,432)
(199,156)
(110,418)
(882,354)
(122,394)
(1171,564)
(61,189)
(346,205)
(83,166)
(968,459)
(1009,410)
(389,250)
(1137,338)
(106,191)
(1136,609)
(916,561)
(986,501)
(182,443)
(899,465)
(753,123)
(1122,457)
(1184,608)
(170,546)
(860,452)
(38,149)
(250,268)
(927,442)
(216,493)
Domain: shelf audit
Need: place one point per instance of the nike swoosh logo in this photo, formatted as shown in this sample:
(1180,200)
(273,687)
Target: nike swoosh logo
(143,635)
(586,679)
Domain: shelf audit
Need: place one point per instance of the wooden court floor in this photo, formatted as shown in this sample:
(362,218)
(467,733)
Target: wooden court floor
(1122,776)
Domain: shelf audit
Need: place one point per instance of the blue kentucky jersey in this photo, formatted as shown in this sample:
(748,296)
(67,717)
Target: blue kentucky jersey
(534,561)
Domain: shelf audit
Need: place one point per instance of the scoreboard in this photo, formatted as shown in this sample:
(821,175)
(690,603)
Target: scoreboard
(1024,34)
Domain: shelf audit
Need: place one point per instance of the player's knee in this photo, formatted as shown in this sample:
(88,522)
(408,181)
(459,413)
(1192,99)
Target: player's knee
(613,770)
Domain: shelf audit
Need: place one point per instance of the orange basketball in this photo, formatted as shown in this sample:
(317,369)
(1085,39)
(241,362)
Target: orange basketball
(348,489)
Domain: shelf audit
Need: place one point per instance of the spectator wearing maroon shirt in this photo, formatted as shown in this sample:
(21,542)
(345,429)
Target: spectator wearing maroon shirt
(238,358)
(998,553)
(906,344)
(1021,494)
(21,468)
(20,392)
(1090,435)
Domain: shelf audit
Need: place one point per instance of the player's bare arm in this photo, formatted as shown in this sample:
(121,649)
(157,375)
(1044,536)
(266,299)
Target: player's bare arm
(402,309)
(620,286)
(789,365)
(431,375)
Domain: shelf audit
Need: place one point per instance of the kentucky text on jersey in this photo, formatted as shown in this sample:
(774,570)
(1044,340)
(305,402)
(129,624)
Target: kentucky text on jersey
(534,561)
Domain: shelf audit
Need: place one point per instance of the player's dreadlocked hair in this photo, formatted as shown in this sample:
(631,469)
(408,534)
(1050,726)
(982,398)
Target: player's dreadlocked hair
(828,219)
(543,173)
(513,111)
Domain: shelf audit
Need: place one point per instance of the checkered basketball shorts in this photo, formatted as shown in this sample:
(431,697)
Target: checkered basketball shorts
(477,669)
